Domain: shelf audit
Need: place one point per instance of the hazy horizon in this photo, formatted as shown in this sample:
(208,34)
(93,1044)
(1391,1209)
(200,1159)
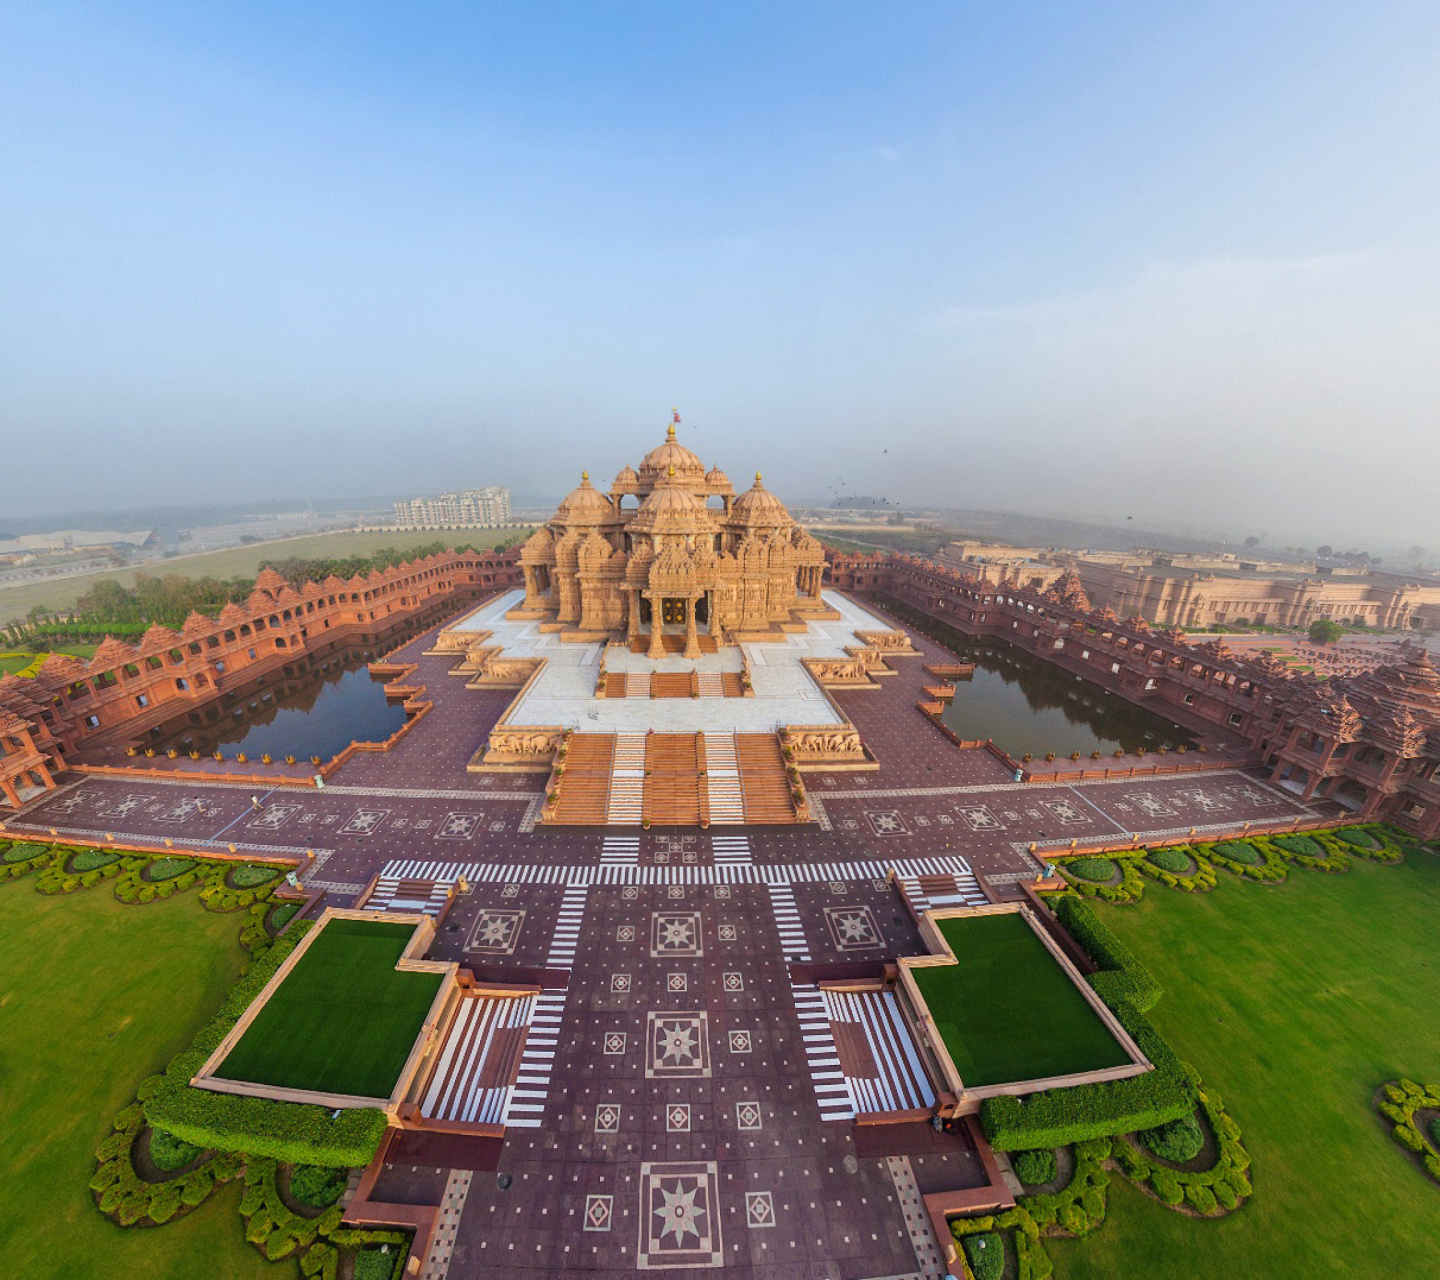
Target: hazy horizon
(1176,265)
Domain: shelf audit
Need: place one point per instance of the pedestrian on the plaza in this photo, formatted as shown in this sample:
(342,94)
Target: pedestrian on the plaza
(255,803)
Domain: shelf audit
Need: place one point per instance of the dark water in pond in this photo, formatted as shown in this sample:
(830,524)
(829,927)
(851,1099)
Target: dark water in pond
(1024,703)
(318,711)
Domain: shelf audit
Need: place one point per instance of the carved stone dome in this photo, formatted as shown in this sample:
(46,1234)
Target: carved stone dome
(717,479)
(759,506)
(655,466)
(625,481)
(668,509)
(585,505)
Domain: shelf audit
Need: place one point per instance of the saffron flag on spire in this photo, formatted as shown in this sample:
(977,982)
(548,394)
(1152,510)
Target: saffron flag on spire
(675,413)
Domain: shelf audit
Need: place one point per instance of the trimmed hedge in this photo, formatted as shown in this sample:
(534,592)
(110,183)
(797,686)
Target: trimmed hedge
(1179,1141)
(1034,1168)
(984,1254)
(317,1185)
(1106,950)
(293,1132)
(1095,870)
(251,876)
(1398,1102)
(168,868)
(1175,861)
(169,1152)
(93,859)
(1254,858)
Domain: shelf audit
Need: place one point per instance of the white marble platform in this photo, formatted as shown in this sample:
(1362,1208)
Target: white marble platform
(565,692)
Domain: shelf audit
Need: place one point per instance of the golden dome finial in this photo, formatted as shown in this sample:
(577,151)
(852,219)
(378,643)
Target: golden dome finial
(671,472)
(585,477)
(670,432)
(757,477)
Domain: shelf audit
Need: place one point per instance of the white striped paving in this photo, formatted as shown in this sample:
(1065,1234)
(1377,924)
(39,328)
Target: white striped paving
(832,1091)
(963,891)
(722,779)
(453,1092)
(902,1084)
(787,922)
(567,928)
(627,779)
(537,1062)
(620,851)
(722,873)
(731,851)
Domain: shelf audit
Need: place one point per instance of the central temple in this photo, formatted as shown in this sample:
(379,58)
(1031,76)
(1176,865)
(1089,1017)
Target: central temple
(673,654)
(671,555)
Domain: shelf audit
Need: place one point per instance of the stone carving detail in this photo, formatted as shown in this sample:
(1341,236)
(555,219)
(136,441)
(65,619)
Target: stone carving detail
(828,743)
(838,671)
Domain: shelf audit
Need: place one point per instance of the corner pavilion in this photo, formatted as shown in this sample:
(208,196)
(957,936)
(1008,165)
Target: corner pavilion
(672,653)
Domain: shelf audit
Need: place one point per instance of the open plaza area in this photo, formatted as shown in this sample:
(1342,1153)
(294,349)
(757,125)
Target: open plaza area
(684,922)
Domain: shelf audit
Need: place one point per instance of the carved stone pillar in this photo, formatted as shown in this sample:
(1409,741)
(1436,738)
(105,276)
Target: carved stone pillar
(692,641)
(634,626)
(530,588)
(657,627)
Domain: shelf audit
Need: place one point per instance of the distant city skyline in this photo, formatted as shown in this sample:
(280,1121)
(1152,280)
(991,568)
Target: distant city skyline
(1175,267)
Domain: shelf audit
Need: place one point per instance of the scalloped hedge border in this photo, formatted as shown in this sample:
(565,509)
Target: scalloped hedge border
(1079,1207)
(1275,853)
(1397,1102)
(134,885)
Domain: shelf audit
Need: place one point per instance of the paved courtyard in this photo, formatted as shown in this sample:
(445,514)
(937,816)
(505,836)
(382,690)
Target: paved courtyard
(683,1111)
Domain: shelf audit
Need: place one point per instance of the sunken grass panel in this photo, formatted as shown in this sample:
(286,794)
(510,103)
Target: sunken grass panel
(94,997)
(1007,1011)
(343,1021)
(1295,1002)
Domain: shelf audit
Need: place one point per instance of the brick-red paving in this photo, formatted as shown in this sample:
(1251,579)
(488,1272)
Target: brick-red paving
(742,1132)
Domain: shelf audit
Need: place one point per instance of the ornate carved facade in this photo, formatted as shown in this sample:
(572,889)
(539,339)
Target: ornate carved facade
(672,548)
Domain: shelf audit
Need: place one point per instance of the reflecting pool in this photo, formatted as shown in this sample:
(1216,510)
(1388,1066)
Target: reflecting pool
(312,708)
(1025,704)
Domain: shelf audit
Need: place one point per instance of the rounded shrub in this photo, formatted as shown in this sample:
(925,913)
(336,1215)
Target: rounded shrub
(1239,851)
(250,876)
(1171,860)
(1303,845)
(1358,838)
(169,868)
(1178,1141)
(169,1152)
(24,851)
(1034,1168)
(316,1185)
(1096,870)
(93,859)
(985,1252)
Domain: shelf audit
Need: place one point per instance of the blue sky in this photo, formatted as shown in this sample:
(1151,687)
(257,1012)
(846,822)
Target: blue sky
(1176,262)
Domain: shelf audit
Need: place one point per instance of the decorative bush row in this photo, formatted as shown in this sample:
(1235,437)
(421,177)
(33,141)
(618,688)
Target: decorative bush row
(1247,858)
(121,1193)
(1398,1102)
(1212,1191)
(1079,1207)
(1130,888)
(1180,867)
(291,1132)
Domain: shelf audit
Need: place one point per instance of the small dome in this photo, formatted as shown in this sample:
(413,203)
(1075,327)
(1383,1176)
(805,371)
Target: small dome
(717,479)
(626,480)
(657,463)
(759,506)
(670,509)
(585,505)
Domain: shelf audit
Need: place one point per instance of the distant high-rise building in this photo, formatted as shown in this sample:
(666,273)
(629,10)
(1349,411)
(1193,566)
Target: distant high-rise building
(468,508)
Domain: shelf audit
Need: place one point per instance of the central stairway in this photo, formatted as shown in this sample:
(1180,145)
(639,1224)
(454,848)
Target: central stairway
(673,780)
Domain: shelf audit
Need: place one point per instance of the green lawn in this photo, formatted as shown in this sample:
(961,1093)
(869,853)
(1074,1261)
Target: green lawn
(95,996)
(344,1020)
(1007,1011)
(1294,1002)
